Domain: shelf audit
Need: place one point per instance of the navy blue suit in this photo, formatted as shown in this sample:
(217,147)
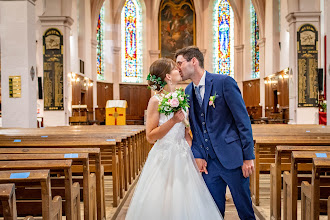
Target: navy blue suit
(222,135)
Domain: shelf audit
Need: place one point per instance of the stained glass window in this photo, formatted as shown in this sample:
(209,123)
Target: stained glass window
(223,29)
(254,44)
(100,45)
(131,20)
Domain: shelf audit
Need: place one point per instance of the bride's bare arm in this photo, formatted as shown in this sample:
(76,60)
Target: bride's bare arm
(155,132)
(188,137)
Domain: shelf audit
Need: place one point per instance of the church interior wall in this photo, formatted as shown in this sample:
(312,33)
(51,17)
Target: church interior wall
(272,38)
(206,32)
(322,34)
(82,40)
(284,36)
(247,42)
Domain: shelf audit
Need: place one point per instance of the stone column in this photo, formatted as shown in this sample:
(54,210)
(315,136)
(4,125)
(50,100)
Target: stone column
(301,115)
(238,65)
(94,75)
(18,58)
(116,71)
(62,23)
(153,56)
(262,68)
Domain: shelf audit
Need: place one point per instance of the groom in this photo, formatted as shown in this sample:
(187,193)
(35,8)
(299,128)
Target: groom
(222,135)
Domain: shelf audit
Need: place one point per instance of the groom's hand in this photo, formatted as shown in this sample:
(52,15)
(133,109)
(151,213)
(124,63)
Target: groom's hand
(247,168)
(201,164)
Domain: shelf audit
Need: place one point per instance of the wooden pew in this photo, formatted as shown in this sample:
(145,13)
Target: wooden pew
(313,199)
(301,161)
(89,180)
(283,163)
(120,136)
(328,207)
(51,208)
(8,201)
(65,147)
(265,155)
(82,142)
(72,191)
(92,152)
(130,165)
(102,144)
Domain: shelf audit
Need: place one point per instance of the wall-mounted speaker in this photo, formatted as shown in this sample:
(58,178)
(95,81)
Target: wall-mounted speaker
(40,87)
(82,67)
(320,78)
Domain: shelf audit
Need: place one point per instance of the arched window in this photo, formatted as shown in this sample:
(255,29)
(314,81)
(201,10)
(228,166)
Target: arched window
(254,44)
(100,45)
(131,21)
(223,34)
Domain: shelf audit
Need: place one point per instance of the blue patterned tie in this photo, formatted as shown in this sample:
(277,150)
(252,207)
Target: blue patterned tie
(198,95)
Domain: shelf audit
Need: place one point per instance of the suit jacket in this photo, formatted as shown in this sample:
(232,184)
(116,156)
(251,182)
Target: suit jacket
(227,124)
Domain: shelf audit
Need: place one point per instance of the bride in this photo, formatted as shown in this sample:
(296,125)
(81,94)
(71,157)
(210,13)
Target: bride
(170,185)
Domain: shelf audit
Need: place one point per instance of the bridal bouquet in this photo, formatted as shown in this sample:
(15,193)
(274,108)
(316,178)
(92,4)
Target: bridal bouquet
(173,102)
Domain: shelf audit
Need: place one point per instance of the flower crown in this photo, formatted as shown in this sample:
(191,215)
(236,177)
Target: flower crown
(157,81)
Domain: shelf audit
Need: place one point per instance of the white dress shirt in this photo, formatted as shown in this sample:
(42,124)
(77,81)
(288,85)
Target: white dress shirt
(202,83)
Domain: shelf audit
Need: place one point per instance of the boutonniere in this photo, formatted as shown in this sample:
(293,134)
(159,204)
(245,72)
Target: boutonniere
(212,99)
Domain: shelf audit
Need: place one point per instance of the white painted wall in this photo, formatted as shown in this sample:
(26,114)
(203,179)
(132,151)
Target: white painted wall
(18,49)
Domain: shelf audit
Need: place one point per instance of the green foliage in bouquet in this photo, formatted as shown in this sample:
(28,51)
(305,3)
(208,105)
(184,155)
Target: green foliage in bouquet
(173,102)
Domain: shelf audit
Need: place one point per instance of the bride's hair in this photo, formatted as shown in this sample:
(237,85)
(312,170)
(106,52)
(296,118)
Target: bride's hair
(160,68)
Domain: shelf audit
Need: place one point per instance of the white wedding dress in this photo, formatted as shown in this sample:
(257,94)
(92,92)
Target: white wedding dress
(170,186)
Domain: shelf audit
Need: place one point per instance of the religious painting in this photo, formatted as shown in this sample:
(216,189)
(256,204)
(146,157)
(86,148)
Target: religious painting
(177,24)
(307,37)
(53,69)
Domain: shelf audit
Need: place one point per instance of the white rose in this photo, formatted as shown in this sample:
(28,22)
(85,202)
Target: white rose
(174,95)
(167,108)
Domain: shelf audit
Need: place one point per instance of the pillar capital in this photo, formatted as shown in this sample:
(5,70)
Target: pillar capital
(239,48)
(154,52)
(261,42)
(294,17)
(94,44)
(116,50)
(56,21)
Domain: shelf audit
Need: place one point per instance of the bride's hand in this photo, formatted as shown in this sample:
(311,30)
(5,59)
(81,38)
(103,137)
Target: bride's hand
(178,116)
(201,164)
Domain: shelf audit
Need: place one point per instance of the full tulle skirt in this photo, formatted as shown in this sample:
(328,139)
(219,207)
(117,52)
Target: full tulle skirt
(170,186)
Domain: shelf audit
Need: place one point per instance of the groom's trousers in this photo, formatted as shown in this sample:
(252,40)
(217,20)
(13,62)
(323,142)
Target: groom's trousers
(219,177)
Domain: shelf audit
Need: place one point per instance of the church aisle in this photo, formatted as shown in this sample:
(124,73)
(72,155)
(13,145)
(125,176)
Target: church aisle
(231,213)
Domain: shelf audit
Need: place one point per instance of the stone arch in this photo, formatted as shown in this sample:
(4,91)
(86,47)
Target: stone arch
(96,6)
(259,6)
